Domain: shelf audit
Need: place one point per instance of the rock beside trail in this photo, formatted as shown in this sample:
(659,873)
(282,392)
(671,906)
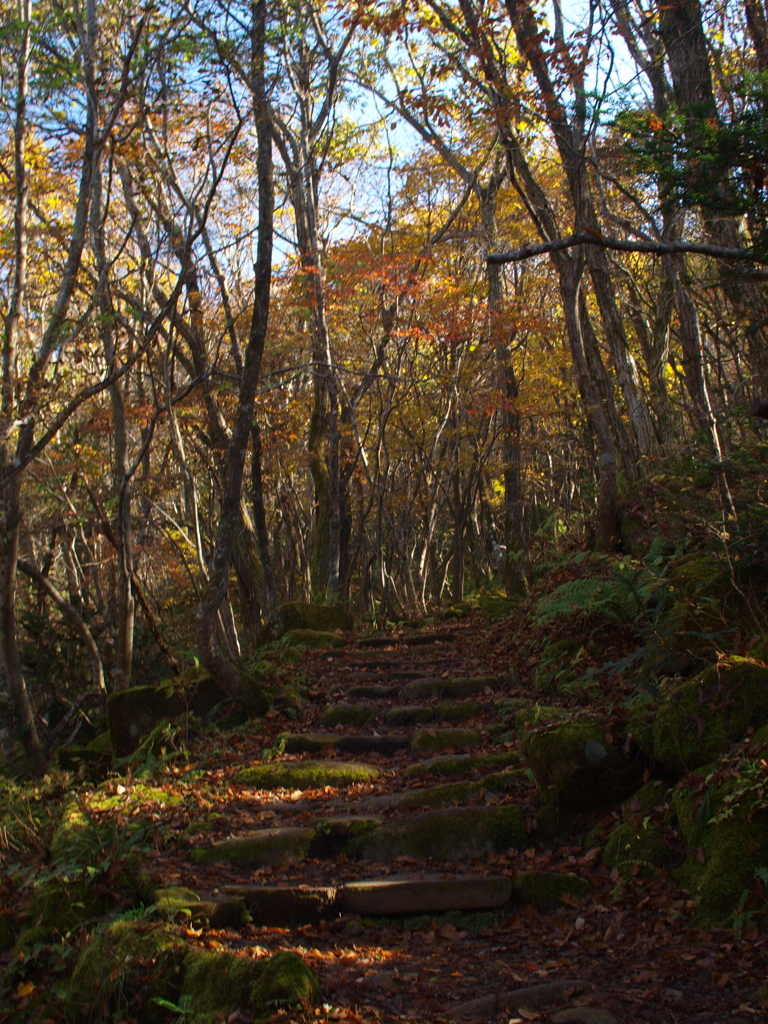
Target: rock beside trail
(576,768)
(701,718)
(300,615)
(132,714)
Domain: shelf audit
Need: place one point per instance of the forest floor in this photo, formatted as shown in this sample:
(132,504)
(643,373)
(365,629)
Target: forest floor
(624,952)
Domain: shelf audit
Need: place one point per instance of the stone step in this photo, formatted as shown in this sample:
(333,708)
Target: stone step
(448,766)
(285,845)
(445,836)
(408,639)
(406,894)
(314,742)
(309,774)
(440,687)
(372,691)
(430,894)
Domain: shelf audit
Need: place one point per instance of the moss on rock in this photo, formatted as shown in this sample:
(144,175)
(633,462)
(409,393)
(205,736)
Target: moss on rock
(346,714)
(123,969)
(458,710)
(446,835)
(133,713)
(310,774)
(265,848)
(448,765)
(700,718)
(300,615)
(576,770)
(312,638)
(636,848)
(729,828)
(286,981)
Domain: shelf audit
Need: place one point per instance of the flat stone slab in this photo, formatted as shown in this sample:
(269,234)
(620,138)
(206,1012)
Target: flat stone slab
(372,691)
(267,847)
(436,686)
(311,774)
(432,741)
(347,714)
(413,714)
(427,895)
(314,742)
(445,835)
(284,904)
(175,903)
(448,766)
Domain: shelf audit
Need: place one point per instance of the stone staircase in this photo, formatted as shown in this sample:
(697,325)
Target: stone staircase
(405,795)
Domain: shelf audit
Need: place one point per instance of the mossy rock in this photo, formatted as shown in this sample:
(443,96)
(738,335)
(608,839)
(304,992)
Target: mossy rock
(267,847)
(423,689)
(175,903)
(458,710)
(413,714)
(286,981)
(312,638)
(432,741)
(637,849)
(346,714)
(642,711)
(535,715)
(299,615)
(456,793)
(544,890)
(446,835)
(450,794)
(63,905)
(220,983)
(701,718)
(93,759)
(306,774)
(447,766)
(123,969)
(576,770)
(730,829)
(133,713)
(650,797)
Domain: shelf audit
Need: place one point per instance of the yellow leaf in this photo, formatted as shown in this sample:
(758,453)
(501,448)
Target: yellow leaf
(25,988)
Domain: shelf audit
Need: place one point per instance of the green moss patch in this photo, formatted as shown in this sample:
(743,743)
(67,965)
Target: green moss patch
(576,770)
(726,830)
(700,718)
(300,615)
(306,774)
(449,688)
(449,765)
(312,638)
(89,831)
(222,982)
(346,714)
(413,714)
(267,847)
(123,969)
(637,848)
(458,710)
(446,835)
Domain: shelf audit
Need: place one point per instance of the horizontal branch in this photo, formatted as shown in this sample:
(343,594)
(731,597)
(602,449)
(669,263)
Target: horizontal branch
(608,242)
